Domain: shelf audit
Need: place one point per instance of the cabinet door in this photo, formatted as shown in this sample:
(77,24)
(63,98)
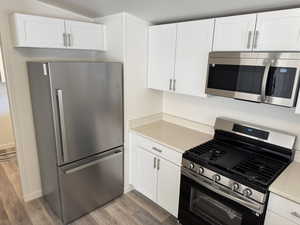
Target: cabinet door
(234,33)
(161,61)
(89,36)
(146,173)
(278,31)
(168,185)
(38,32)
(194,42)
(274,219)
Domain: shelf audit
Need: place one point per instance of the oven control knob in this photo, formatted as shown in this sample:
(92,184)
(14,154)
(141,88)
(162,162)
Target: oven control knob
(192,166)
(235,187)
(216,177)
(200,170)
(247,192)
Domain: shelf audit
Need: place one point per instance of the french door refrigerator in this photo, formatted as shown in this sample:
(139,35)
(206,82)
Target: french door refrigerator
(78,117)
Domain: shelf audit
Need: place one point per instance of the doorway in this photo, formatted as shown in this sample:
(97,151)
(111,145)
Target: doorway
(7,139)
(10,179)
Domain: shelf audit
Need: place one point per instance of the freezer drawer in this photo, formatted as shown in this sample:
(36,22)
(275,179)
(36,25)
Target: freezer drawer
(91,183)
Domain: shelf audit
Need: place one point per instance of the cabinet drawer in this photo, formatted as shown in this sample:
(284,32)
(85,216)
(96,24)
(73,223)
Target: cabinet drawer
(285,208)
(159,149)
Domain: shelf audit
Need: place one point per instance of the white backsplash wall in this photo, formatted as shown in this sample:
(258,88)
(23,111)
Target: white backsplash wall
(205,110)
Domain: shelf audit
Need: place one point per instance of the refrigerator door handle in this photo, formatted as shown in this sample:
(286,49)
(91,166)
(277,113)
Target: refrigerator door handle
(97,161)
(63,134)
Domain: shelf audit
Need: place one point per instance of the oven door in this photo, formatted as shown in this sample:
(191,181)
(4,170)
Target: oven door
(199,205)
(239,78)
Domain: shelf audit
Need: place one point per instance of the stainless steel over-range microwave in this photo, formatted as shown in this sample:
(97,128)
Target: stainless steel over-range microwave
(265,77)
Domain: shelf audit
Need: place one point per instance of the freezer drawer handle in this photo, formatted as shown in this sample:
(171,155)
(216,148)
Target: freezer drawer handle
(103,158)
(62,123)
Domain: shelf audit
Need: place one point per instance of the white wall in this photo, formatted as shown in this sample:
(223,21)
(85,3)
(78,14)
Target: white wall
(127,41)
(206,110)
(6,132)
(18,85)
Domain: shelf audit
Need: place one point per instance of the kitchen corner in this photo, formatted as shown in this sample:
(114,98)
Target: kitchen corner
(171,133)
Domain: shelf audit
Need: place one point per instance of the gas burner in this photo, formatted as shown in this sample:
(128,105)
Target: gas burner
(215,154)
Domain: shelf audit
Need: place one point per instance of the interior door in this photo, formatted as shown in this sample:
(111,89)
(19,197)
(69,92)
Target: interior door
(85,35)
(88,107)
(284,25)
(168,183)
(161,61)
(234,33)
(194,42)
(146,173)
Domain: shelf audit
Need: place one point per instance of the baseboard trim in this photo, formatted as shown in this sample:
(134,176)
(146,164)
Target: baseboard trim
(128,188)
(8,145)
(34,195)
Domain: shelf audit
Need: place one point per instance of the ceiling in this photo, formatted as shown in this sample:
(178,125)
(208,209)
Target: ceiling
(161,11)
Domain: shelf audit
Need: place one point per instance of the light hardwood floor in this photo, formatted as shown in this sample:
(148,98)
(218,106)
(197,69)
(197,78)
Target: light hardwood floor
(130,209)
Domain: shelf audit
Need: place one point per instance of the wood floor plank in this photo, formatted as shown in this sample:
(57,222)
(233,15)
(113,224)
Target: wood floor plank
(129,205)
(146,218)
(37,213)
(12,172)
(12,204)
(171,220)
(55,220)
(120,215)
(4,220)
(102,217)
(160,214)
(86,220)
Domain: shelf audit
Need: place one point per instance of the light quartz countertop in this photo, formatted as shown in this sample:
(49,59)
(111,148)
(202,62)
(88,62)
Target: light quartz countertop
(287,185)
(171,135)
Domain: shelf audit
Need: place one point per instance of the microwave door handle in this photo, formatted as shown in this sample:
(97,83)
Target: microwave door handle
(274,86)
(264,82)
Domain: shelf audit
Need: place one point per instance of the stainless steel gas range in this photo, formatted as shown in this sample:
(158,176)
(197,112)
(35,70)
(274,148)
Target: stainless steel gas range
(225,181)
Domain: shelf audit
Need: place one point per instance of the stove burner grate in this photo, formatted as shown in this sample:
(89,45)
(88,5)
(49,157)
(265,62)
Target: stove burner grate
(211,150)
(259,169)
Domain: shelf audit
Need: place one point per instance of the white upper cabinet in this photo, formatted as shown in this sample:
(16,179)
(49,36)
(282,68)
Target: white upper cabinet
(278,31)
(38,32)
(194,42)
(234,33)
(178,56)
(161,60)
(85,35)
(44,32)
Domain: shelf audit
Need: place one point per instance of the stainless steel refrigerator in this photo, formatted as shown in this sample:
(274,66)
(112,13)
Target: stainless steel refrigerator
(78,117)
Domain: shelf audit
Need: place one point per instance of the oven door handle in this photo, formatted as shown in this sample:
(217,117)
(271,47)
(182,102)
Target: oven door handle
(211,185)
(265,82)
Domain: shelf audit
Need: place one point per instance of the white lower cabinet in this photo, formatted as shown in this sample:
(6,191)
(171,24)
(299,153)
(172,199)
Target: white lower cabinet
(153,174)
(146,173)
(168,185)
(282,211)
(274,219)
